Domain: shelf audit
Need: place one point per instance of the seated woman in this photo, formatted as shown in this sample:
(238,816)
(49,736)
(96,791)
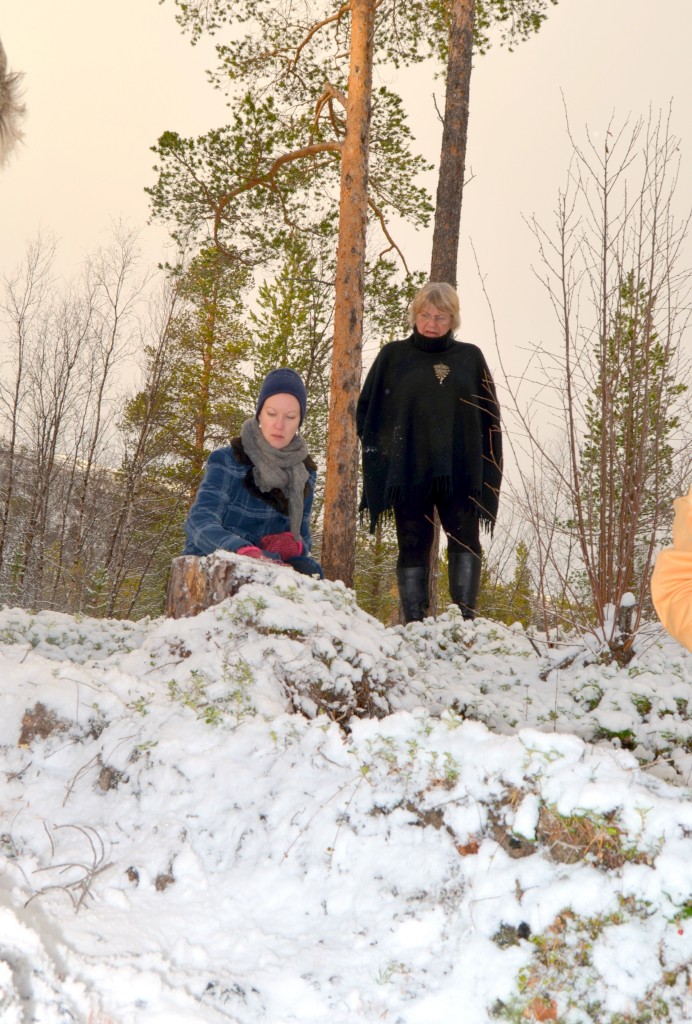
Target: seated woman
(257,493)
(671,582)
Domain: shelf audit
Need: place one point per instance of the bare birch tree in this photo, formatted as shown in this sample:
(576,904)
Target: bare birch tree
(58,398)
(612,268)
(114,286)
(25,294)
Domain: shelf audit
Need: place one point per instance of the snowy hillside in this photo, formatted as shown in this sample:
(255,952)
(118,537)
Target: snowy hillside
(186,835)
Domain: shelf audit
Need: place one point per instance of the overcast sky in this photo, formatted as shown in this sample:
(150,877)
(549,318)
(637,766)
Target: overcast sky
(104,78)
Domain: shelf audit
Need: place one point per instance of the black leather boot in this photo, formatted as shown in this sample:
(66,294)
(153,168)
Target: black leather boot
(465,581)
(412,581)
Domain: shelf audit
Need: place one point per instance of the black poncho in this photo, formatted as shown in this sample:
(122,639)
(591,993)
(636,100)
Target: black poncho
(429,421)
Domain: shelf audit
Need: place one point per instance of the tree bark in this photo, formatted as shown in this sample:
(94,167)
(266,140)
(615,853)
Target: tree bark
(450,182)
(197,583)
(341,483)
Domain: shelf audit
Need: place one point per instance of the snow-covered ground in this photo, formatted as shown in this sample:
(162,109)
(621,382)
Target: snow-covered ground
(185,835)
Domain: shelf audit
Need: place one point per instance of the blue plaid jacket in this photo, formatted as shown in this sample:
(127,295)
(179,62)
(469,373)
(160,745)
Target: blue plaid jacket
(230,512)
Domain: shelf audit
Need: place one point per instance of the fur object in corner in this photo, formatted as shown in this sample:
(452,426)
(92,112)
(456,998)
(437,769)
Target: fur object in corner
(12,111)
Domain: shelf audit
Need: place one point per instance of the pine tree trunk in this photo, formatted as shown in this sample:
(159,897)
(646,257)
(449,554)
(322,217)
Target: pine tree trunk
(450,182)
(341,483)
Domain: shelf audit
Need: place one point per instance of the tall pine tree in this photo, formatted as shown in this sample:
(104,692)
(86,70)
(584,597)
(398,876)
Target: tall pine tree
(201,396)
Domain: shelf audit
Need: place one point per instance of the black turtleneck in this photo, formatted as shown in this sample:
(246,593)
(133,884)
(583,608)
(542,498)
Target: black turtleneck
(428,420)
(440,344)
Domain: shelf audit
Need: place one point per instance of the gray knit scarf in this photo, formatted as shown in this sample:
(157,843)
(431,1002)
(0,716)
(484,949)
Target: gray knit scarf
(281,468)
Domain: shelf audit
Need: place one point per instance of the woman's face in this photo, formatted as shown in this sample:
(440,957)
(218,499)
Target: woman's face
(279,419)
(432,322)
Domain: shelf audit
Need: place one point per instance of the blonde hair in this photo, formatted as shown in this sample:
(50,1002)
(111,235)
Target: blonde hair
(440,295)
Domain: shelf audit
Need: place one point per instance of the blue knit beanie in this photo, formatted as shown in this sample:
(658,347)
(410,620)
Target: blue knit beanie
(283,382)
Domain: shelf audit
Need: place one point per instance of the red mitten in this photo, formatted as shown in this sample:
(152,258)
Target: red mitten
(250,551)
(283,544)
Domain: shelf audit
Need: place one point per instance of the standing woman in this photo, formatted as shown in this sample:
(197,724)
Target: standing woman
(257,493)
(429,425)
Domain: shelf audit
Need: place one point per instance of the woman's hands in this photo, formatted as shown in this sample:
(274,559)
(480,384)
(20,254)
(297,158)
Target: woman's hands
(275,547)
(282,544)
(250,551)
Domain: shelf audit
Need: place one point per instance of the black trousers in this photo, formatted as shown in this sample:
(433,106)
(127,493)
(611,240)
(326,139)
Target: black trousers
(415,527)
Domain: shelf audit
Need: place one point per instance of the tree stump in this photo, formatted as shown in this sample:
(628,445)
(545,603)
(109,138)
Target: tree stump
(198,582)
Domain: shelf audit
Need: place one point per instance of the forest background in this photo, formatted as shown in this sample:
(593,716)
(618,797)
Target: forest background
(107,454)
